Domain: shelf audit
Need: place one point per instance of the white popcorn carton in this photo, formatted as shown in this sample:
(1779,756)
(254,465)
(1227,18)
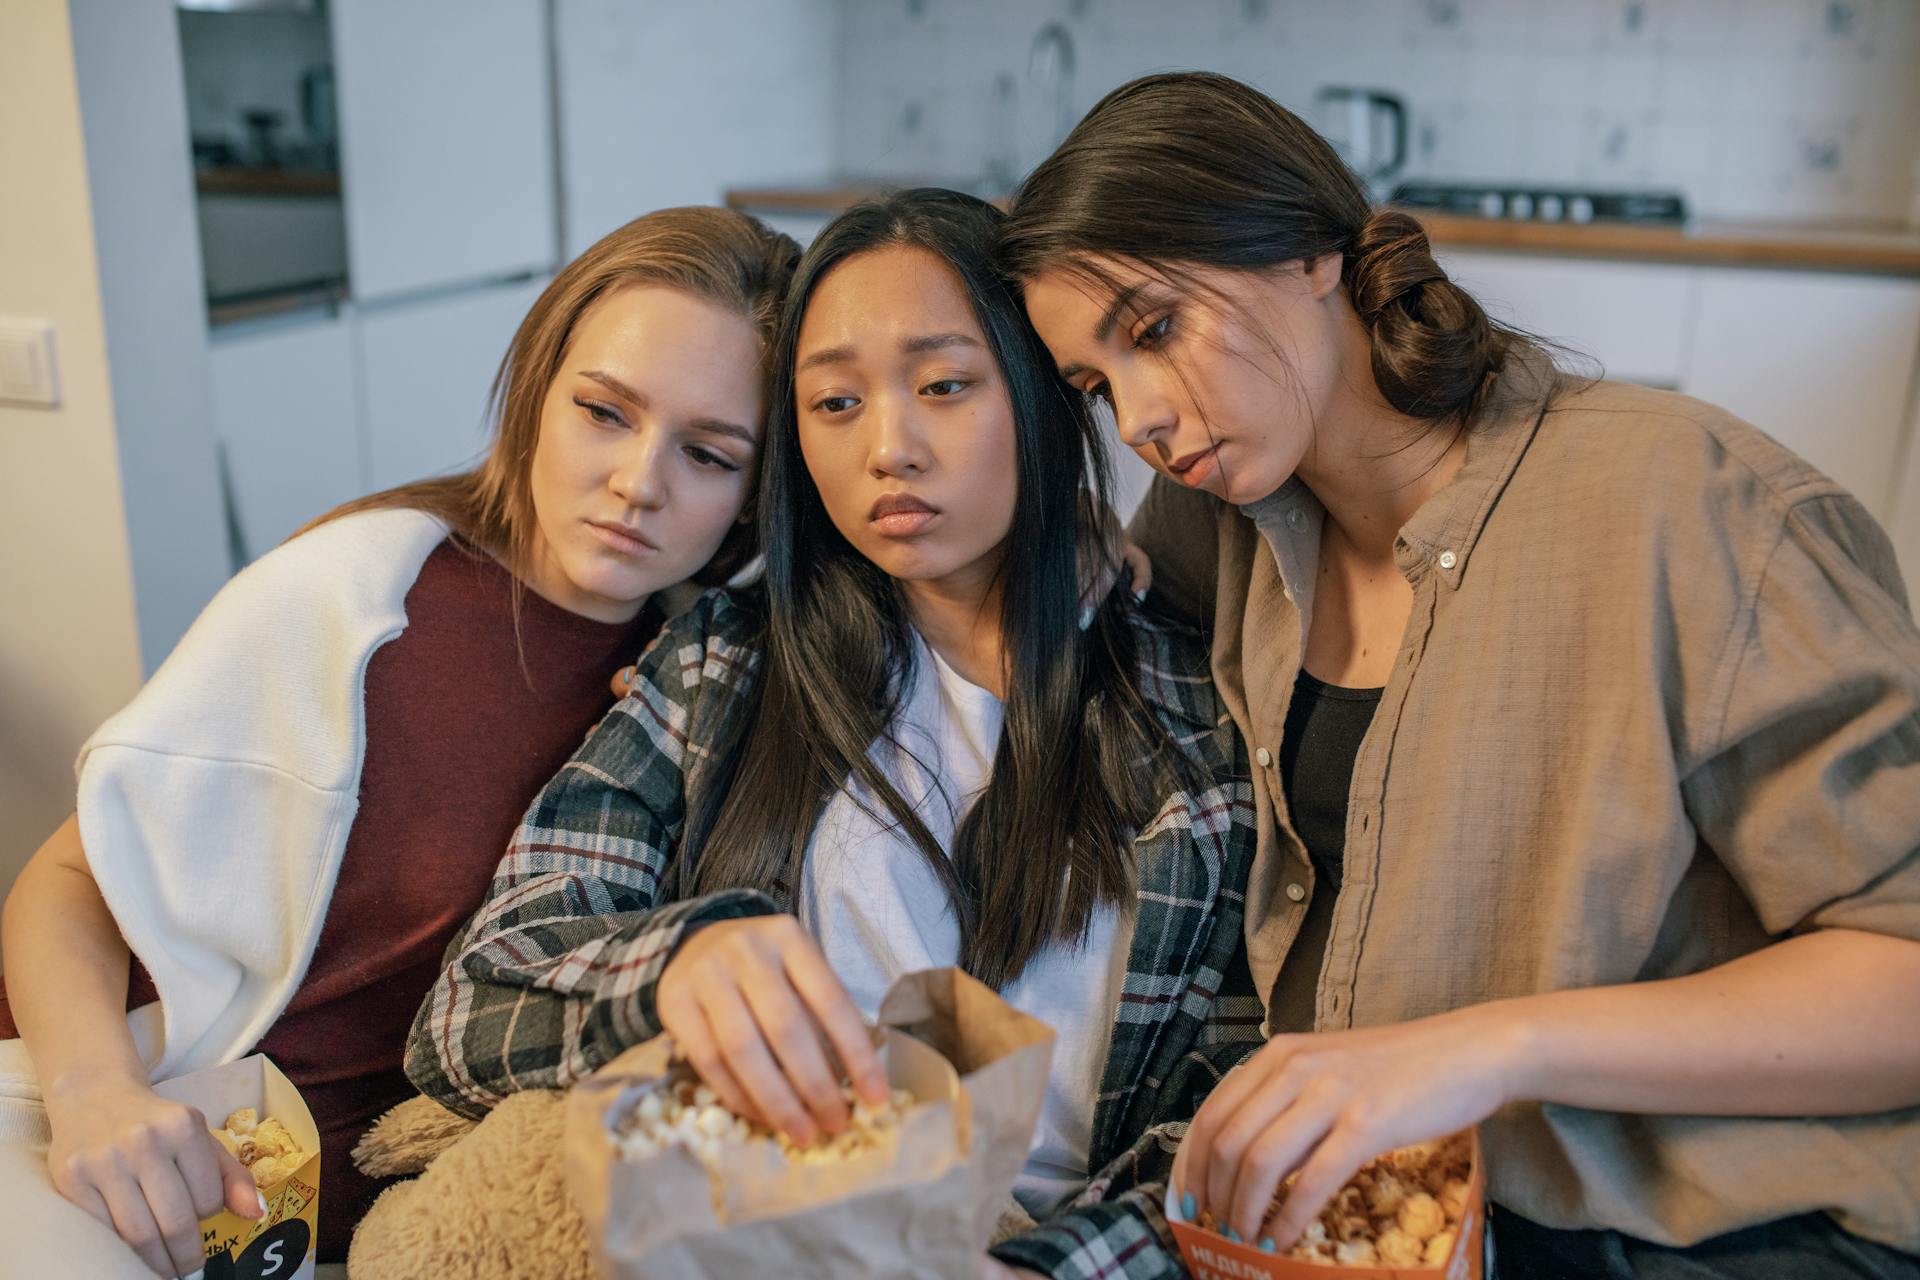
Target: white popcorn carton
(281,1245)
(1211,1256)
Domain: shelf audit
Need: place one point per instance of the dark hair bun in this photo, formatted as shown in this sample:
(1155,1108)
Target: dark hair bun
(1433,347)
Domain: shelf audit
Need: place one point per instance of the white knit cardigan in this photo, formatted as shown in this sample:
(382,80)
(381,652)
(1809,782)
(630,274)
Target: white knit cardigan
(215,807)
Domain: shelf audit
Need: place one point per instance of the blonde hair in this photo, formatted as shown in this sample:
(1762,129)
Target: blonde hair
(720,255)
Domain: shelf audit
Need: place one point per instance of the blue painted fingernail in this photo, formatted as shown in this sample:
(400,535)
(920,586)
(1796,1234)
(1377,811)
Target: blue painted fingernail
(1266,1245)
(1086,616)
(1141,595)
(1233,1235)
(1187,1207)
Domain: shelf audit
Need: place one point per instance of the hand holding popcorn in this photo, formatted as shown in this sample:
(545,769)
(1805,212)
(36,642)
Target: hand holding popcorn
(755,1008)
(1402,1209)
(266,1149)
(143,1165)
(1313,1108)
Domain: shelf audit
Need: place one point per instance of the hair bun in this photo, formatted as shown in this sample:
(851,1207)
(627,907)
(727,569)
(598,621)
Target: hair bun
(1433,346)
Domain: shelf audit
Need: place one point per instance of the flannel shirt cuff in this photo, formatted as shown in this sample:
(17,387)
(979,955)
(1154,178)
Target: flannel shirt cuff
(1123,1239)
(641,957)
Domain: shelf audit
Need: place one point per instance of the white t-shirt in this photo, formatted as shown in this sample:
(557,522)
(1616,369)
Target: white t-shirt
(879,912)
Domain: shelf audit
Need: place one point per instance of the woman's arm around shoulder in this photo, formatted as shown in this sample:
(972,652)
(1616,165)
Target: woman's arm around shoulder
(556,973)
(1178,531)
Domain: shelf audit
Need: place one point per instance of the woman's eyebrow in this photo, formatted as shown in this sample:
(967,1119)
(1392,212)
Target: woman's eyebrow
(937,341)
(911,346)
(616,386)
(719,428)
(1122,300)
(828,355)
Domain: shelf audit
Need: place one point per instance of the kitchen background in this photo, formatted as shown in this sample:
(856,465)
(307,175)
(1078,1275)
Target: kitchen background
(260,256)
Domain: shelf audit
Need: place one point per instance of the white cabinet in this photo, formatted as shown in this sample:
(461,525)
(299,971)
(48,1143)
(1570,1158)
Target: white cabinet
(425,368)
(1632,317)
(286,423)
(671,101)
(446,130)
(1821,362)
(1824,362)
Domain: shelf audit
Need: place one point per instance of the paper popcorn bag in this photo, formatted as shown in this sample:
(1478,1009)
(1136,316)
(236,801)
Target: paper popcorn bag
(920,1199)
(281,1245)
(1211,1256)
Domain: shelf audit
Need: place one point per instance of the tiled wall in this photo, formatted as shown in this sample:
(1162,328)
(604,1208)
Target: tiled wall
(1753,108)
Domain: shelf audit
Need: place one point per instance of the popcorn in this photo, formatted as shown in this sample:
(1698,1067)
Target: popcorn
(1384,1197)
(1402,1209)
(1422,1217)
(267,1148)
(1354,1253)
(681,1112)
(1398,1249)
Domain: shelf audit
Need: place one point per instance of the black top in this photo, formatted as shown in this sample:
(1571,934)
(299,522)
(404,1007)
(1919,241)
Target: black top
(1325,724)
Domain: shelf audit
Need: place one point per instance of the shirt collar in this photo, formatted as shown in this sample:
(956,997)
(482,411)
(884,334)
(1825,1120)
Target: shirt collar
(1444,531)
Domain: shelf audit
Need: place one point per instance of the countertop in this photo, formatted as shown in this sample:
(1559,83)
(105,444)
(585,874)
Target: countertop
(1892,249)
(267,182)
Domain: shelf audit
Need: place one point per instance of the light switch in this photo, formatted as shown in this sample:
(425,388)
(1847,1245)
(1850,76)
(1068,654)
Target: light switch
(27,371)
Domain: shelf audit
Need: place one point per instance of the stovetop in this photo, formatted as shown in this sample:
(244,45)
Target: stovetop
(1530,202)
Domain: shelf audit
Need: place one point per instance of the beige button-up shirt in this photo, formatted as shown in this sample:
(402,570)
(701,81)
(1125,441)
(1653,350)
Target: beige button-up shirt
(1657,706)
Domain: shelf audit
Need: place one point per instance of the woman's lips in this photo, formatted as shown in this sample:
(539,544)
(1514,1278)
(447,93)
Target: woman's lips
(622,539)
(1194,469)
(901,515)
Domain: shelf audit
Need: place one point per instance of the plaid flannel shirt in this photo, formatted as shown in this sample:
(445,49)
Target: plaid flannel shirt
(556,973)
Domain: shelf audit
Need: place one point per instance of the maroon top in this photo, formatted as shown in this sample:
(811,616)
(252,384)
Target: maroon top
(459,738)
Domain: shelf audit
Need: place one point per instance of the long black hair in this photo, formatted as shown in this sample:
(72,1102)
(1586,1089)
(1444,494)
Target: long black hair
(1080,751)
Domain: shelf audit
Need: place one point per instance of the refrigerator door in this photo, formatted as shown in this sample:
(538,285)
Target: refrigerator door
(446,142)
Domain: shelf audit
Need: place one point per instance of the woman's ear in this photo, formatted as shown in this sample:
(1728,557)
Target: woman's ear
(1324,273)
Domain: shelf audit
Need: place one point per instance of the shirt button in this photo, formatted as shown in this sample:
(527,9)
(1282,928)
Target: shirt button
(1264,756)
(1448,559)
(1298,892)
(1296,519)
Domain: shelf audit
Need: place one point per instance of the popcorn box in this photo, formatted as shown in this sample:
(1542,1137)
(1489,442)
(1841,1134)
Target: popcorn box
(281,1245)
(1211,1256)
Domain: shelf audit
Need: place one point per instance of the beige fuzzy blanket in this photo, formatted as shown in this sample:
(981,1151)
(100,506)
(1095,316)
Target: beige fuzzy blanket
(492,1204)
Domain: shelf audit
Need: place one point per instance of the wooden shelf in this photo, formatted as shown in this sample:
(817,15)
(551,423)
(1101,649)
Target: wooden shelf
(267,182)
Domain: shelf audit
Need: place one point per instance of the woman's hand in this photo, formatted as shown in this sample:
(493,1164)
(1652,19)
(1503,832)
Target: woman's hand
(147,1167)
(1326,1104)
(1102,564)
(756,1009)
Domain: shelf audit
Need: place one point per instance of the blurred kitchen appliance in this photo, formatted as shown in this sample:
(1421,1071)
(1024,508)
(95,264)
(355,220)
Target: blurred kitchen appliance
(1526,203)
(1367,127)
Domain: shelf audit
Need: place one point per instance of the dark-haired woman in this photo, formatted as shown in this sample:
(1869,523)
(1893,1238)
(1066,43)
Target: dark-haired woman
(906,741)
(1584,721)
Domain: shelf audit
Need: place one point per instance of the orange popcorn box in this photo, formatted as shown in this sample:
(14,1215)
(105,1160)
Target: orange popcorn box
(281,1245)
(1211,1256)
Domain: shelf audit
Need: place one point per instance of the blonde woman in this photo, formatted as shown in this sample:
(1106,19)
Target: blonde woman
(294,817)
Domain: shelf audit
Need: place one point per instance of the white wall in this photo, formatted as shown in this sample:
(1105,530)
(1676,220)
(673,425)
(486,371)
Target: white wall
(69,653)
(134,120)
(672,102)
